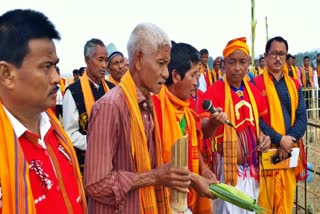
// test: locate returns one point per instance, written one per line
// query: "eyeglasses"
(275, 54)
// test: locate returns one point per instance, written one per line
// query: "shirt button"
(145, 105)
(46, 153)
(58, 188)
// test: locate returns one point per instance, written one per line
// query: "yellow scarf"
(303, 73)
(286, 70)
(281, 181)
(87, 92)
(153, 199)
(230, 140)
(260, 71)
(63, 85)
(173, 110)
(202, 71)
(214, 73)
(14, 169)
(276, 114)
(110, 79)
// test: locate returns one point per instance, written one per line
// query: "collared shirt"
(47, 191)
(298, 129)
(109, 167)
(20, 129)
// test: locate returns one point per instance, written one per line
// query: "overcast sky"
(203, 23)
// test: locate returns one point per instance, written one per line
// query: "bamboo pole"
(253, 34)
(179, 158)
(267, 30)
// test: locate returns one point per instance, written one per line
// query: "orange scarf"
(214, 73)
(202, 71)
(303, 73)
(318, 71)
(236, 44)
(276, 114)
(286, 69)
(260, 71)
(230, 140)
(63, 85)
(153, 199)
(87, 91)
(173, 110)
(14, 169)
(110, 79)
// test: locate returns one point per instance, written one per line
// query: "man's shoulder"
(114, 97)
(216, 85)
(110, 84)
(74, 86)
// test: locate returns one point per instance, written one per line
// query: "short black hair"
(278, 39)
(17, 28)
(75, 71)
(182, 57)
(261, 58)
(203, 51)
(306, 57)
(289, 56)
(81, 70)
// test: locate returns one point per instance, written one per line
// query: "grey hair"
(146, 37)
(89, 47)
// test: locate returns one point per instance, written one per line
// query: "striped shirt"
(109, 167)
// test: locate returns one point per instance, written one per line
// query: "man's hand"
(264, 142)
(286, 143)
(282, 154)
(176, 178)
(217, 118)
(201, 185)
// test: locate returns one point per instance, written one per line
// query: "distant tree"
(312, 55)
(210, 62)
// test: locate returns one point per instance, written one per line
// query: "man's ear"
(138, 60)
(175, 76)
(7, 74)
(86, 59)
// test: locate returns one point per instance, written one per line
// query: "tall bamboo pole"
(267, 31)
(253, 33)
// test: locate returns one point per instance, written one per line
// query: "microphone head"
(206, 105)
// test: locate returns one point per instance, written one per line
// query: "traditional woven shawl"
(14, 169)
(230, 140)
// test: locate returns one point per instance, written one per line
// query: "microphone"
(208, 107)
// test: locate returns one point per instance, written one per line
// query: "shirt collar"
(94, 84)
(273, 78)
(20, 129)
(142, 100)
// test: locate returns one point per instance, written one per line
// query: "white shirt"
(20, 129)
(202, 85)
(59, 97)
(70, 121)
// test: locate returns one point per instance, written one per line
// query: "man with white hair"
(124, 163)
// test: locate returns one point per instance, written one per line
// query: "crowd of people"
(104, 145)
